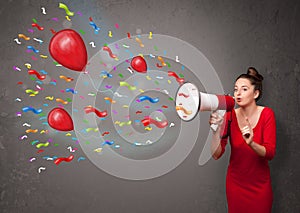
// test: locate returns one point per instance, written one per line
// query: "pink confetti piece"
(54, 19)
(117, 26)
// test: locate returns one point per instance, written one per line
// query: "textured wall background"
(232, 34)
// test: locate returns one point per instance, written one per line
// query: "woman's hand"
(247, 132)
(216, 119)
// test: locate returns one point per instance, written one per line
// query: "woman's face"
(244, 93)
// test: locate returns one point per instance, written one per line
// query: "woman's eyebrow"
(241, 86)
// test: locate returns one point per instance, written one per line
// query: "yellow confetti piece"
(150, 35)
(68, 134)
(142, 91)
(98, 150)
(44, 131)
(28, 65)
(49, 98)
(43, 56)
(169, 81)
(125, 106)
(68, 18)
(148, 128)
(90, 129)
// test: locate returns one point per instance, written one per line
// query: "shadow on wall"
(281, 171)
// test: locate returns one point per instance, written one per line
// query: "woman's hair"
(255, 78)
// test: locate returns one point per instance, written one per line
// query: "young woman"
(252, 132)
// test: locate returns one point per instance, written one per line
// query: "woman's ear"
(256, 94)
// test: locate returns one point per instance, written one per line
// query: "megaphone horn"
(189, 101)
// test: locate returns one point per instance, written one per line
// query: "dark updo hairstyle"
(255, 78)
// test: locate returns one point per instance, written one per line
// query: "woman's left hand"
(247, 132)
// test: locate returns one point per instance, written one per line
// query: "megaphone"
(189, 101)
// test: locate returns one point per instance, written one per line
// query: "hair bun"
(254, 73)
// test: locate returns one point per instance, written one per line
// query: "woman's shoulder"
(265, 109)
(267, 112)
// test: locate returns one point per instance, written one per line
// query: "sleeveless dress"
(248, 181)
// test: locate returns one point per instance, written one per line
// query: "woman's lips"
(238, 99)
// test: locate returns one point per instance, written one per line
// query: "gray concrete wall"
(231, 34)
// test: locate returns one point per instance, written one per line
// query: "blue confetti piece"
(53, 83)
(35, 111)
(46, 105)
(39, 82)
(108, 143)
(152, 100)
(42, 118)
(71, 90)
(81, 158)
(43, 72)
(33, 49)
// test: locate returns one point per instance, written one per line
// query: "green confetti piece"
(82, 32)
(171, 99)
(155, 48)
(87, 142)
(181, 75)
(56, 144)
(32, 78)
(156, 82)
(105, 45)
(42, 114)
(121, 76)
(55, 63)
(69, 100)
(85, 121)
(34, 20)
(169, 65)
(34, 142)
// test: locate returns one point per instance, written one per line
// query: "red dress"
(248, 182)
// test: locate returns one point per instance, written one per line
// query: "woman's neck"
(249, 110)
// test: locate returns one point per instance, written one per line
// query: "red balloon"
(68, 49)
(60, 119)
(139, 64)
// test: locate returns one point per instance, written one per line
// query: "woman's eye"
(245, 89)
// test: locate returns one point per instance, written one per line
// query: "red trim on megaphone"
(226, 102)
